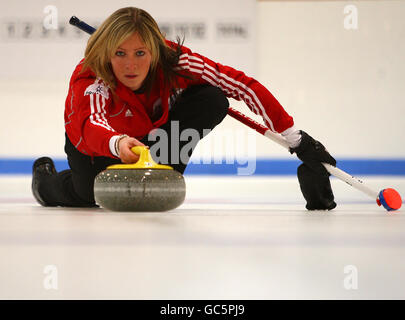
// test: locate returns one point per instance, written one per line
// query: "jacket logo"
(128, 113)
(97, 88)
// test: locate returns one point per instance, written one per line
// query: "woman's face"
(131, 62)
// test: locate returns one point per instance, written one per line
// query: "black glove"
(316, 189)
(312, 175)
(312, 153)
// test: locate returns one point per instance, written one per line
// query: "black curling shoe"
(42, 167)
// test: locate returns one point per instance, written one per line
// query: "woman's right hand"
(124, 149)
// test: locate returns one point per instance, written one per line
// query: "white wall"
(36, 69)
(342, 86)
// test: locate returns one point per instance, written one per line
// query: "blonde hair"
(116, 29)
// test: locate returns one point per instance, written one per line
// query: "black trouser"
(198, 107)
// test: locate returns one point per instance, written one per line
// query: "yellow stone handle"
(144, 155)
(145, 161)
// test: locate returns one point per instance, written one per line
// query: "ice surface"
(233, 238)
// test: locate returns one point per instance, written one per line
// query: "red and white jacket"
(93, 115)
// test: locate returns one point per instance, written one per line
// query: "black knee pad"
(316, 189)
(211, 100)
(218, 103)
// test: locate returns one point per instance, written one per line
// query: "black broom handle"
(75, 21)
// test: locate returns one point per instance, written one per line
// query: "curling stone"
(142, 186)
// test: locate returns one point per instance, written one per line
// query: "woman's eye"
(140, 53)
(120, 53)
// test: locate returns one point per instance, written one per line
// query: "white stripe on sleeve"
(97, 117)
(227, 84)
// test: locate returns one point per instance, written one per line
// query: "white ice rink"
(233, 238)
